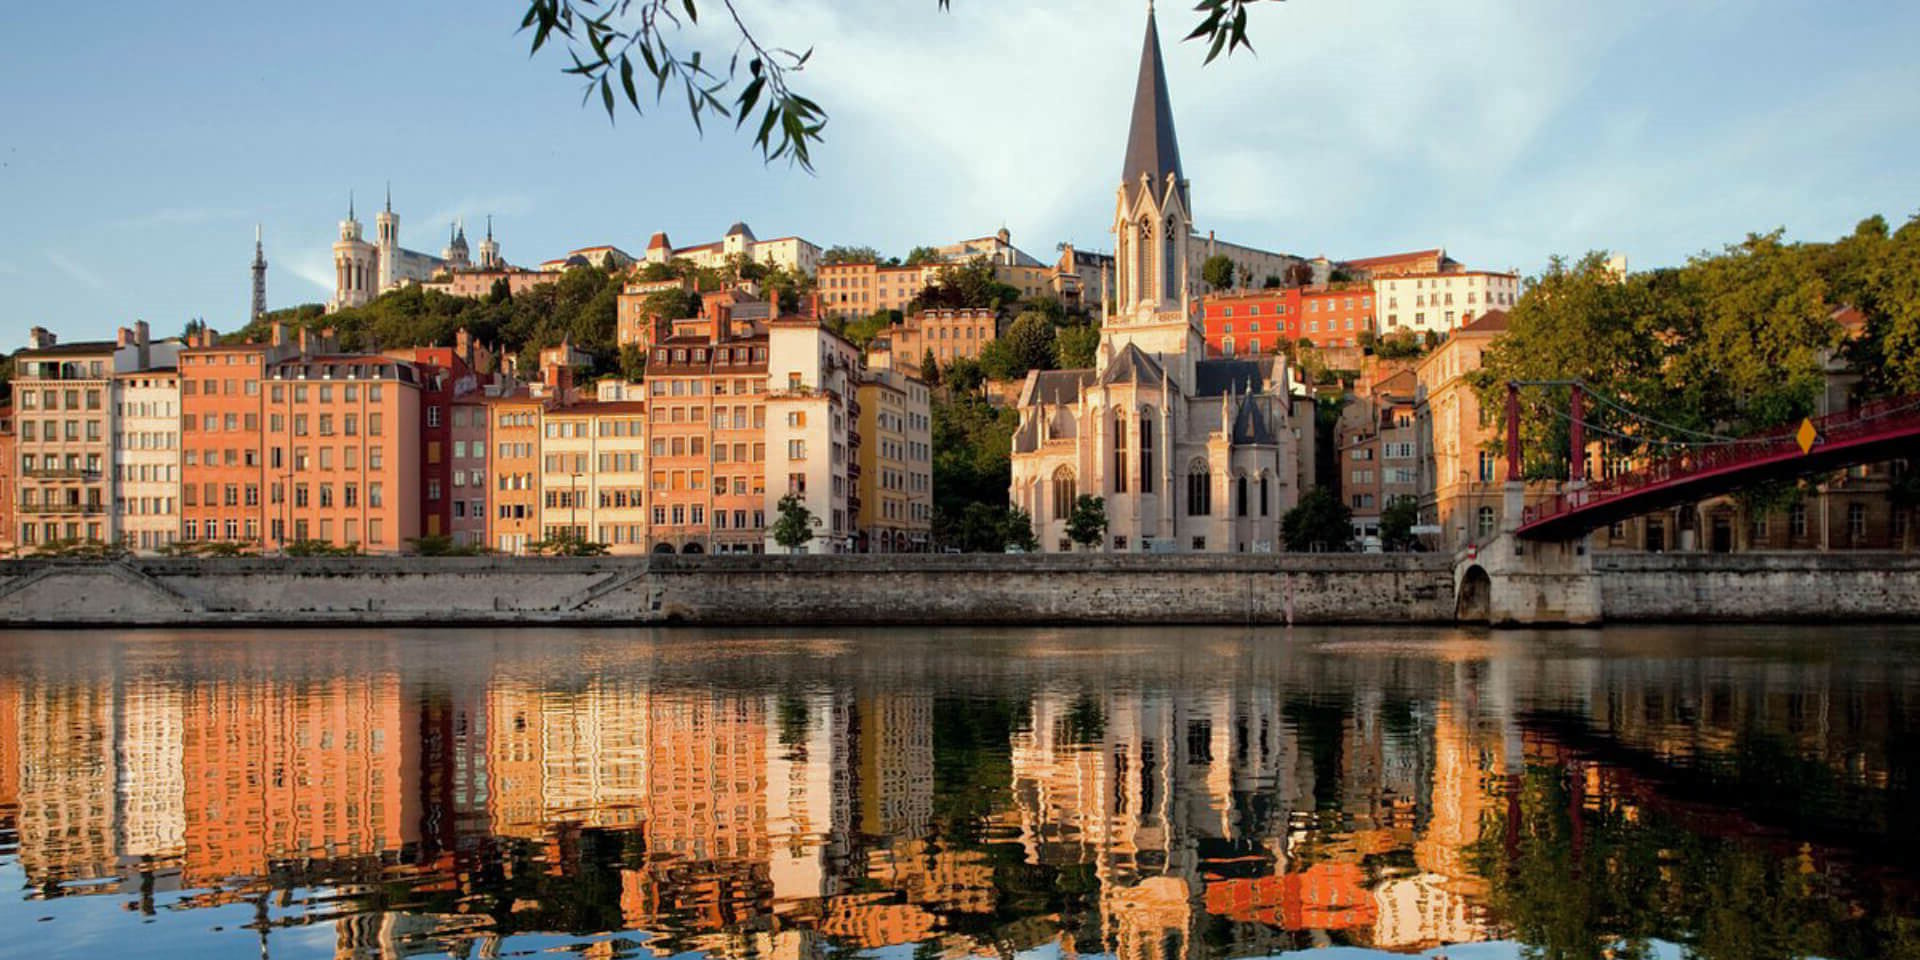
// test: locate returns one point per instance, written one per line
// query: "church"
(1190, 454)
(363, 271)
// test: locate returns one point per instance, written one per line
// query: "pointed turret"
(1152, 148)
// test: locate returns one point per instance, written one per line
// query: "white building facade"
(1441, 302)
(812, 377)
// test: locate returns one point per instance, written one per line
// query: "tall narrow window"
(1143, 271)
(1170, 268)
(1146, 450)
(1240, 495)
(1199, 490)
(1263, 493)
(1119, 451)
(1063, 493)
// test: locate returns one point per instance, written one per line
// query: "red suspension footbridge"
(1703, 464)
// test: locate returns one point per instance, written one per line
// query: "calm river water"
(917, 794)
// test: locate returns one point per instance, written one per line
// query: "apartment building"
(849, 291)
(948, 333)
(64, 440)
(1250, 323)
(468, 483)
(1377, 444)
(343, 435)
(1442, 302)
(444, 377)
(896, 463)
(227, 486)
(812, 431)
(707, 442)
(1337, 315)
(146, 457)
(593, 474)
(513, 437)
(9, 456)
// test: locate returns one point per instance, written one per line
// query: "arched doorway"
(663, 548)
(1474, 603)
(693, 548)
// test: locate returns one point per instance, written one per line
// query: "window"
(1797, 519)
(1199, 490)
(1146, 450)
(1119, 478)
(1064, 493)
(1483, 522)
(1240, 495)
(1487, 460)
(1856, 520)
(1263, 493)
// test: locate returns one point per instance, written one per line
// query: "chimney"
(40, 338)
(463, 345)
(142, 341)
(123, 337)
(303, 342)
(559, 379)
(279, 334)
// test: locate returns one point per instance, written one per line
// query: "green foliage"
(1731, 343)
(581, 305)
(1075, 346)
(1272, 282)
(1017, 531)
(567, 543)
(319, 548)
(964, 375)
(862, 332)
(674, 303)
(1402, 344)
(840, 254)
(1028, 344)
(1217, 271)
(981, 528)
(1319, 523)
(80, 549)
(1396, 523)
(1087, 522)
(1880, 275)
(210, 548)
(972, 462)
(795, 525)
(930, 369)
(922, 255)
(633, 362)
(967, 285)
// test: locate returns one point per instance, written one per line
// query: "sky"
(140, 144)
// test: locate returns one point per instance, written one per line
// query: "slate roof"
(1151, 146)
(1215, 377)
(1060, 386)
(1251, 426)
(1133, 366)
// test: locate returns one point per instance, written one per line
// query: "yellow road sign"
(1807, 435)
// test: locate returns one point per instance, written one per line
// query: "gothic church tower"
(387, 235)
(1152, 226)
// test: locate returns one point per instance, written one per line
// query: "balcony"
(61, 473)
(62, 509)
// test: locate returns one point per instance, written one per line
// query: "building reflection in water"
(1211, 795)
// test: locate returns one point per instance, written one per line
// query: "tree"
(500, 292)
(844, 254)
(1396, 523)
(982, 528)
(567, 543)
(862, 332)
(1271, 283)
(673, 303)
(930, 369)
(1217, 271)
(1018, 531)
(1320, 523)
(1027, 345)
(966, 285)
(795, 526)
(921, 255)
(1087, 522)
(964, 375)
(1075, 346)
(606, 41)
(633, 362)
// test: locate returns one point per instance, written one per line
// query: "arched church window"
(1143, 275)
(1146, 450)
(1119, 451)
(1170, 267)
(1240, 495)
(1063, 493)
(1263, 493)
(1199, 490)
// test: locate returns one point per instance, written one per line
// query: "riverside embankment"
(931, 589)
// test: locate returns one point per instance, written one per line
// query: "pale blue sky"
(141, 142)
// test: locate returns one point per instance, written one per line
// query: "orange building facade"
(707, 441)
(344, 432)
(513, 437)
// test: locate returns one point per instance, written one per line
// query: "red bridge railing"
(1868, 421)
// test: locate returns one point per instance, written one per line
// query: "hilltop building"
(791, 253)
(1188, 453)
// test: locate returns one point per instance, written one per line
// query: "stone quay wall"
(714, 590)
(1757, 587)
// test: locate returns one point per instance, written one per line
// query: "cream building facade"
(896, 462)
(792, 253)
(812, 425)
(146, 457)
(1441, 302)
(1189, 454)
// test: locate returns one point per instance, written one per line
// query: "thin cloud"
(180, 216)
(311, 264)
(76, 270)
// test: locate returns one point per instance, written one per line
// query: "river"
(914, 794)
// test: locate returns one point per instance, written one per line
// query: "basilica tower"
(489, 249)
(1152, 226)
(386, 225)
(355, 265)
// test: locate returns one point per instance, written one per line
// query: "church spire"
(1152, 148)
(389, 196)
(349, 203)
